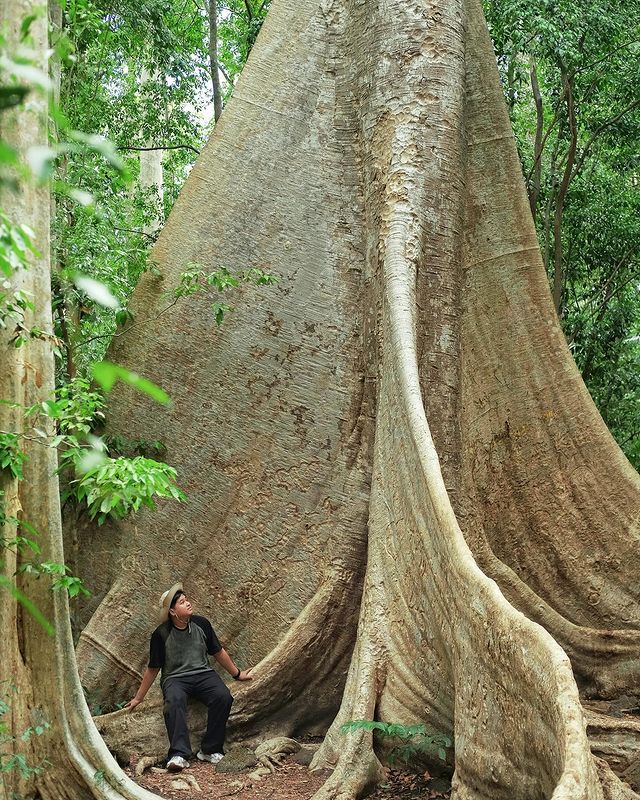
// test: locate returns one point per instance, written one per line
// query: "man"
(180, 647)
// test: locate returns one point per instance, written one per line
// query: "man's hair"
(175, 598)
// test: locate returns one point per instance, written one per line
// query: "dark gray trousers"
(210, 690)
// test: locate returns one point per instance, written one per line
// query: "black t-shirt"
(183, 652)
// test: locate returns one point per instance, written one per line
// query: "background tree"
(49, 743)
(570, 73)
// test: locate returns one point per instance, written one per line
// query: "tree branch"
(605, 57)
(133, 230)
(126, 330)
(599, 131)
(225, 75)
(552, 124)
(558, 266)
(164, 147)
(534, 194)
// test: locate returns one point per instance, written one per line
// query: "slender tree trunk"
(558, 260)
(151, 179)
(212, 8)
(534, 189)
(37, 670)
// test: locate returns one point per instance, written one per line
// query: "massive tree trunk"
(396, 431)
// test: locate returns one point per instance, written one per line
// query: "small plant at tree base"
(415, 739)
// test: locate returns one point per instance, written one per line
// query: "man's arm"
(148, 677)
(226, 662)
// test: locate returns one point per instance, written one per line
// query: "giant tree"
(403, 501)
(403, 422)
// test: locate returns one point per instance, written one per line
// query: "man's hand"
(245, 675)
(148, 678)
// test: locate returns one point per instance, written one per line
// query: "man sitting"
(180, 647)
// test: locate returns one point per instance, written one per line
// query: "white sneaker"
(177, 764)
(212, 758)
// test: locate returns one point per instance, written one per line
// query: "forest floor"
(290, 782)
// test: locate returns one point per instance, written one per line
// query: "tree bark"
(398, 501)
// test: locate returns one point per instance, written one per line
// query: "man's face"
(182, 608)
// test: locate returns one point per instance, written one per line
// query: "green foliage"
(11, 456)
(16, 247)
(16, 761)
(108, 486)
(121, 486)
(106, 374)
(137, 77)
(582, 175)
(196, 279)
(415, 739)
(62, 579)
(77, 408)
(16, 243)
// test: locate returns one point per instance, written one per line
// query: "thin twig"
(126, 330)
(164, 147)
(132, 230)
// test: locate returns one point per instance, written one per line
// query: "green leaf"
(26, 25)
(106, 374)
(8, 154)
(24, 601)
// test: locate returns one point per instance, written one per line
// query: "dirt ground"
(290, 782)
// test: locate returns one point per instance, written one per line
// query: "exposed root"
(144, 763)
(358, 771)
(272, 753)
(612, 787)
(614, 739)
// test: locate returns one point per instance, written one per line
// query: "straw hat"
(165, 601)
